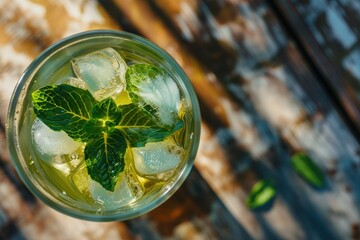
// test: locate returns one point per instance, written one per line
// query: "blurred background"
(279, 86)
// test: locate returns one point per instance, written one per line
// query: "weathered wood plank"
(231, 172)
(283, 110)
(237, 121)
(201, 78)
(194, 212)
(200, 218)
(330, 33)
(259, 110)
(292, 106)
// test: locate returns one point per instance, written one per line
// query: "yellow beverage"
(118, 155)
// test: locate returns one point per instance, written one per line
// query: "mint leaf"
(107, 112)
(139, 127)
(104, 158)
(64, 107)
(105, 115)
(308, 170)
(261, 194)
(154, 91)
(95, 127)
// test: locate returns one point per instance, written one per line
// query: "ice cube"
(102, 69)
(157, 160)
(59, 162)
(163, 94)
(50, 142)
(55, 147)
(127, 190)
(114, 89)
(75, 158)
(81, 179)
(76, 82)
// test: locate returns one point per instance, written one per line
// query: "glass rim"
(12, 131)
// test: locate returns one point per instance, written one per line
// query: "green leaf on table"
(64, 107)
(139, 127)
(104, 158)
(262, 193)
(308, 170)
(151, 89)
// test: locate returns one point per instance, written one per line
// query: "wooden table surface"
(274, 78)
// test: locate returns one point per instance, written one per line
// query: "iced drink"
(106, 126)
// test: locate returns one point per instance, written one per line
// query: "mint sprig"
(107, 129)
(105, 115)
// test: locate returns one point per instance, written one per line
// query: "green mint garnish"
(66, 108)
(308, 170)
(261, 194)
(105, 158)
(139, 127)
(108, 130)
(105, 115)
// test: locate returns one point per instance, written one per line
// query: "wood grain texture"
(261, 103)
(285, 109)
(329, 31)
(26, 217)
(194, 212)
